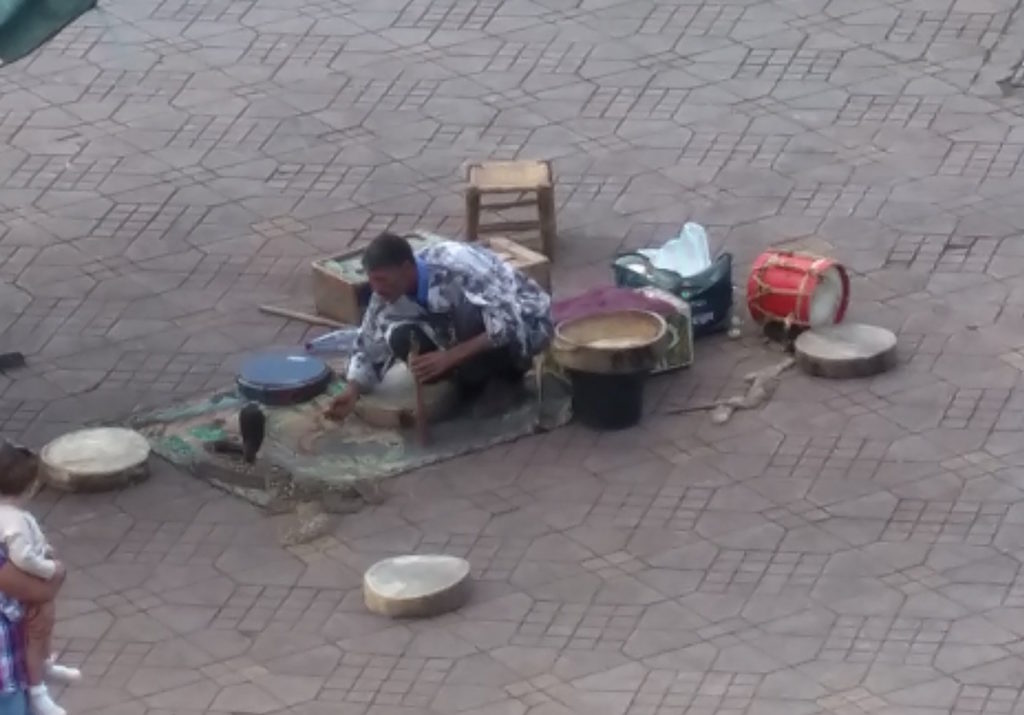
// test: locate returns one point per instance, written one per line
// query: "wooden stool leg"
(548, 224)
(472, 215)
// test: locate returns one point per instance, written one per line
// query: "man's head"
(19, 468)
(390, 266)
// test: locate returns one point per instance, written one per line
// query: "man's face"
(393, 282)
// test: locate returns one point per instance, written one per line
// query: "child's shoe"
(41, 703)
(63, 674)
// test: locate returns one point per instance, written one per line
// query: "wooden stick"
(299, 315)
(421, 411)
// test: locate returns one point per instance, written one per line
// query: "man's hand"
(342, 405)
(430, 366)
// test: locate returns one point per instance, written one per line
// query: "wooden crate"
(341, 291)
(530, 262)
(337, 298)
(340, 288)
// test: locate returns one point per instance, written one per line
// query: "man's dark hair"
(19, 468)
(387, 251)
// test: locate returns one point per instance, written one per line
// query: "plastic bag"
(685, 255)
(336, 341)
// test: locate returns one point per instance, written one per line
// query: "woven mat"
(301, 441)
(27, 24)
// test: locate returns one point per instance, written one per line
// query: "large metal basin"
(612, 343)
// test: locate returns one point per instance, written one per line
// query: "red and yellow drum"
(798, 289)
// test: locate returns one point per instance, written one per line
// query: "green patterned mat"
(27, 24)
(317, 451)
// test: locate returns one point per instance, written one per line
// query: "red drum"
(798, 289)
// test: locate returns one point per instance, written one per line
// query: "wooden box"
(535, 265)
(340, 288)
(341, 291)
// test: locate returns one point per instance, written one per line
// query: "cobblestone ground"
(853, 547)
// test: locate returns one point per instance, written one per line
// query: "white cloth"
(24, 542)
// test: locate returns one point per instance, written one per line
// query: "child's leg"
(52, 671)
(42, 620)
(38, 630)
(39, 622)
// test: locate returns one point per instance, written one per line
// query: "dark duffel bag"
(709, 293)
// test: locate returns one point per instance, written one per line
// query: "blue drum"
(283, 377)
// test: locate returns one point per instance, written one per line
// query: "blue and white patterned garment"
(12, 644)
(11, 608)
(455, 276)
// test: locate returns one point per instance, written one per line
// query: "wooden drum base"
(416, 586)
(98, 459)
(393, 404)
(846, 350)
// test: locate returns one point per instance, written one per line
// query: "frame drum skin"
(96, 459)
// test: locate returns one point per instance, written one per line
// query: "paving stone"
(851, 547)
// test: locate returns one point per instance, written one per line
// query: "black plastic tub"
(607, 402)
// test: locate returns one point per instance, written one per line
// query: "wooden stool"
(512, 177)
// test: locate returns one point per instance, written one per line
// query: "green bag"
(709, 293)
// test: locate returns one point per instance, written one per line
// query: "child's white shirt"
(24, 541)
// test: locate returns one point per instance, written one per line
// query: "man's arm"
(493, 290)
(432, 365)
(371, 350)
(487, 283)
(467, 349)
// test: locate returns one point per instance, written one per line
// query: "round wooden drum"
(95, 459)
(416, 585)
(846, 351)
(392, 404)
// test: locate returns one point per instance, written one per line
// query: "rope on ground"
(761, 385)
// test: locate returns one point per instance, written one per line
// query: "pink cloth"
(607, 299)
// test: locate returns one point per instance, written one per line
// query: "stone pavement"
(853, 547)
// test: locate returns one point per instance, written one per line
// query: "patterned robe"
(460, 277)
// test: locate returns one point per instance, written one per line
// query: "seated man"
(473, 316)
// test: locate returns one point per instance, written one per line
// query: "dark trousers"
(473, 375)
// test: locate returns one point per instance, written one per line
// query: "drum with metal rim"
(281, 378)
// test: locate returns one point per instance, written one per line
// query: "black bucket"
(607, 402)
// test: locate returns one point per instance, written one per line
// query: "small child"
(28, 550)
